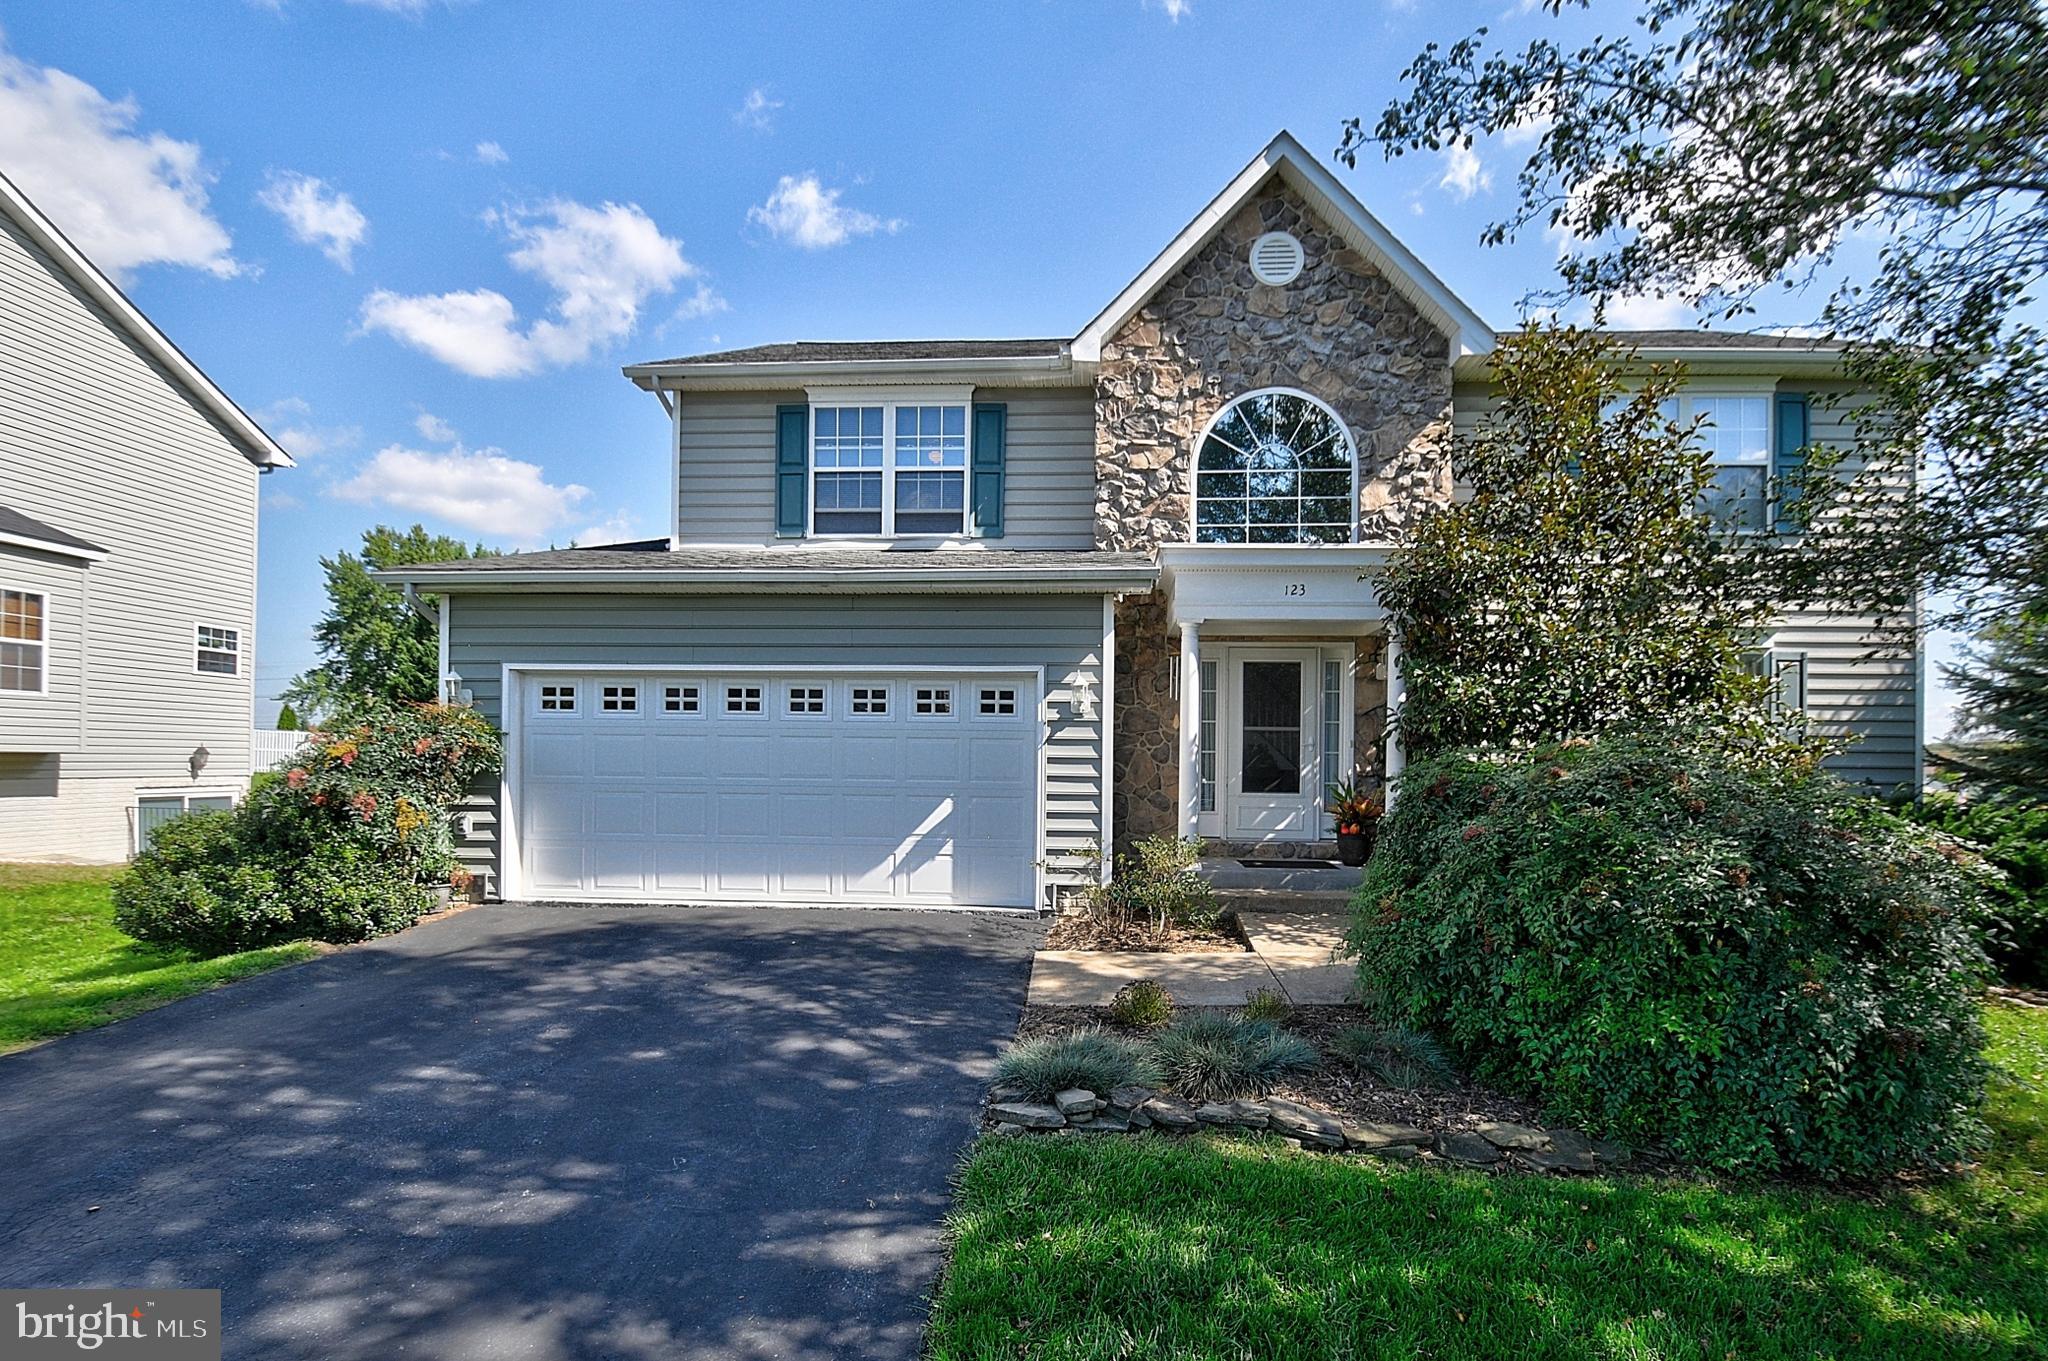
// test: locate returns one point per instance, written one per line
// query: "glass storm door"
(1273, 789)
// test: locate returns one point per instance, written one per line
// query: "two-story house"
(934, 617)
(127, 562)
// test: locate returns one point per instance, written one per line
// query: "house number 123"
(1295, 588)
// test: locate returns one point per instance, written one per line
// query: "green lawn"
(1217, 1248)
(64, 966)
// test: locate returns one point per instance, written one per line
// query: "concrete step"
(1230, 876)
(1242, 900)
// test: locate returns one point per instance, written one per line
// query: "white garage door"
(778, 788)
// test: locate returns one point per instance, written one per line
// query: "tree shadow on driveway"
(533, 1131)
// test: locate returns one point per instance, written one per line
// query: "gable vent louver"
(1277, 258)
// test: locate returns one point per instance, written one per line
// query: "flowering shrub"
(343, 847)
(1660, 939)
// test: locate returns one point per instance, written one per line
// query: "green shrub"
(344, 845)
(2013, 836)
(1144, 1004)
(1394, 1056)
(1267, 1004)
(193, 889)
(345, 892)
(1210, 1056)
(1156, 886)
(1660, 939)
(1048, 1064)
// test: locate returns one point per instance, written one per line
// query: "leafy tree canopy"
(1715, 148)
(373, 648)
(1579, 587)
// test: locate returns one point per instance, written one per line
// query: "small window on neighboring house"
(152, 812)
(998, 700)
(220, 650)
(870, 699)
(807, 699)
(679, 699)
(1786, 672)
(743, 699)
(22, 638)
(933, 700)
(619, 699)
(558, 699)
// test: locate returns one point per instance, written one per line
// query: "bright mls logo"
(163, 1325)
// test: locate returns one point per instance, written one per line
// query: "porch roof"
(1322, 589)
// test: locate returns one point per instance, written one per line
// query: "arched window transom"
(1275, 467)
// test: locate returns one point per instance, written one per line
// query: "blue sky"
(417, 238)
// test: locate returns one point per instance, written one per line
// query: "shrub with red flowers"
(1663, 937)
(349, 844)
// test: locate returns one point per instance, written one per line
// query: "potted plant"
(1356, 814)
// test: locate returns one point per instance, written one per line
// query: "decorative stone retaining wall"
(1495, 1145)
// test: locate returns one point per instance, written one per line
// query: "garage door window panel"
(870, 701)
(619, 699)
(681, 699)
(743, 700)
(557, 699)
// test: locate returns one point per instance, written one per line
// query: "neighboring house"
(872, 660)
(127, 562)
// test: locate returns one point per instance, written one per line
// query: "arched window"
(1275, 467)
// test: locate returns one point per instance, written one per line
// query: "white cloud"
(274, 499)
(317, 214)
(1644, 313)
(602, 265)
(618, 527)
(757, 110)
(290, 422)
(805, 213)
(126, 198)
(411, 9)
(490, 153)
(1464, 173)
(1176, 10)
(702, 303)
(432, 427)
(484, 490)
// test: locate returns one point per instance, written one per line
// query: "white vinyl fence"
(267, 748)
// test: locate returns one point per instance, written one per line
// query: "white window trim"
(1195, 460)
(888, 399)
(684, 697)
(240, 633)
(624, 709)
(42, 689)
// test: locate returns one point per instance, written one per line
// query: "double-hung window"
(889, 468)
(22, 639)
(217, 651)
(1736, 431)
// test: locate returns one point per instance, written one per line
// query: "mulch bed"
(1335, 1087)
(1079, 931)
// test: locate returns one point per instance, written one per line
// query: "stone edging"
(1496, 1145)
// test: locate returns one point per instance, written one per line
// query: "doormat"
(1290, 864)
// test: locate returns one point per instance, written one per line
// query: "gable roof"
(29, 532)
(258, 447)
(857, 351)
(1286, 159)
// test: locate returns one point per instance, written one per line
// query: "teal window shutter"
(991, 432)
(792, 470)
(1791, 434)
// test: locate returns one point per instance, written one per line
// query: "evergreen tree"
(2004, 710)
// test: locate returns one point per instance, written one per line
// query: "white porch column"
(1190, 726)
(1397, 691)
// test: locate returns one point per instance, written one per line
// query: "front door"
(1271, 712)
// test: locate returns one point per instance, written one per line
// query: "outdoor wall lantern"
(198, 759)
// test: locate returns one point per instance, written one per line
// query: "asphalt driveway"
(533, 1131)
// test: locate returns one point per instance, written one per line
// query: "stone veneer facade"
(1212, 333)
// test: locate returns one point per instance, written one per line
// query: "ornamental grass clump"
(1267, 1004)
(1094, 1060)
(1394, 1056)
(1660, 936)
(1212, 1056)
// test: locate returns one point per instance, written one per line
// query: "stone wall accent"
(1209, 335)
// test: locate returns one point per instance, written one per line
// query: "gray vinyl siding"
(1862, 684)
(1060, 633)
(97, 440)
(725, 484)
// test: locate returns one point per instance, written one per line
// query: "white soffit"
(1335, 205)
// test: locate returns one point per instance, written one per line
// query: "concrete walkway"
(1290, 954)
